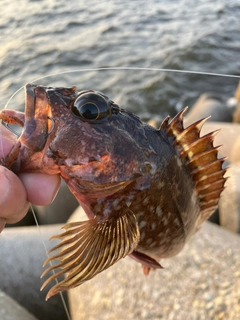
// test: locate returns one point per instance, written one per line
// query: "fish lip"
(37, 113)
(29, 86)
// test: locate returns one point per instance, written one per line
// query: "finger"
(13, 197)
(41, 188)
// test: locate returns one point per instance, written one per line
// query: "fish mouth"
(36, 120)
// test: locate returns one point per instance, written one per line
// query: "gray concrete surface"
(228, 137)
(11, 310)
(201, 283)
(60, 210)
(22, 255)
(229, 204)
(210, 104)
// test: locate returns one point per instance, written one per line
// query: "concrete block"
(60, 209)
(202, 282)
(229, 204)
(11, 310)
(22, 255)
(228, 137)
(210, 104)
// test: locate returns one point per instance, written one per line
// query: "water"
(43, 37)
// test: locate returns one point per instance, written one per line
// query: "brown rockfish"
(145, 190)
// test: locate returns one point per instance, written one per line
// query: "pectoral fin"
(89, 247)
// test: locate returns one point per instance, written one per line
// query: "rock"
(228, 136)
(22, 255)
(60, 209)
(202, 282)
(235, 151)
(10, 310)
(209, 104)
(229, 204)
(236, 114)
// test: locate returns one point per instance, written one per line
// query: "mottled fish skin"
(155, 186)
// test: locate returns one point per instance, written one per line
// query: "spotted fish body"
(144, 190)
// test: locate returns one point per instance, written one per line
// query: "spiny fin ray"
(89, 247)
(200, 157)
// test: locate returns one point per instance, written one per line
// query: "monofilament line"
(129, 68)
(46, 251)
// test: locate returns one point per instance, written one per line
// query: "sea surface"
(40, 38)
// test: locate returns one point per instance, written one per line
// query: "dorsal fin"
(201, 157)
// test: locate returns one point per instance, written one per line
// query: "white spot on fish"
(179, 162)
(107, 211)
(165, 221)
(194, 197)
(142, 235)
(167, 231)
(160, 235)
(161, 185)
(152, 209)
(142, 224)
(146, 200)
(153, 244)
(154, 168)
(128, 202)
(176, 222)
(116, 202)
(149, 240)
(159, 211)
(153, 226)
(162, 241)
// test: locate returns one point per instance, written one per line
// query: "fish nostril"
(52, 125)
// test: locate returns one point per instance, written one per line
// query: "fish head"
(84, 136)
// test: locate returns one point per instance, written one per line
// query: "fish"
(145, 190)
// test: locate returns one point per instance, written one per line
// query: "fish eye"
(91, 106)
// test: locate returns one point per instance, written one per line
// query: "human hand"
(17, 191)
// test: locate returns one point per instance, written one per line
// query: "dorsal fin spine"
(200, 156)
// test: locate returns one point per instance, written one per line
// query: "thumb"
(13, 198)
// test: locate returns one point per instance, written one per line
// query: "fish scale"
(145, 191)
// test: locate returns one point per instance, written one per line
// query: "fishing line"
(38, 227)
(141, 69)
(103, 69)
(128, 68)
(31, 207)
(46, 251)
